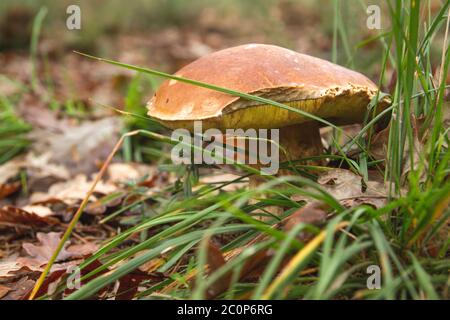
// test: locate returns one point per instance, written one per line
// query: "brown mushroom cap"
(310, 84)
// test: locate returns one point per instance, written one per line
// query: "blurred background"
(41, 75)
(167, 34)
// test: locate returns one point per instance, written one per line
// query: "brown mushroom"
(319, 87)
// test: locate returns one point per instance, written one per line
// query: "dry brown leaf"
(346, 186)
(129, 283)
(37, 168)
(215, 261)
(379, 144)
(84, 249)
(63, 153)
(312, 213)
(73, 190)
(41, 211)
(122, 172)
(11, 267)
(41, 253)
(15, 217)
(78, 148)
(20, 289)
(10, 169)
(4, 290)
(8, 189)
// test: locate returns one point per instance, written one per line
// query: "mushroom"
(319, 87)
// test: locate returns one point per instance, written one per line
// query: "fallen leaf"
(81, 250)
(129, 283)
(4, 290)
(57, 207)
(48, 242)
(56, 276)
(49, 284)
(10, 169)
(124, 172)
(349, 188)
(314, 213)
(39, 254)
(63, 153)
(73, 190)
(41, 211)
(8, 189)
(20, 289)
(39, 165)
(215, 261)
(10, 267)
(78, 148)
(15, 217)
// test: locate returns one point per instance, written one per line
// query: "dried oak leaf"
(216, 260)
(20, 289)
(78, 148)
(73, 190)
(312, 213)
(10, 267)
(129, 283)
(48, 242)
(350, 189)
(4, 290)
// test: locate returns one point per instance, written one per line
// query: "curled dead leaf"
(15, 217)
(73, 190)
(312, 213)
(19, 289)
(4, 290)
(350, 189)
(39, 254)
(8, 188)
(215, 261)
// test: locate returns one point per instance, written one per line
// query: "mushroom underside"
(344, 107)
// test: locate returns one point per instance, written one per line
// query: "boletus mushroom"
(321, 88)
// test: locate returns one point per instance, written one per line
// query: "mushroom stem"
(299, 141)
